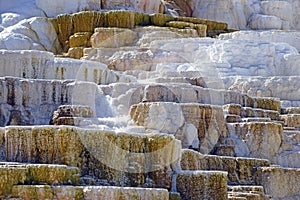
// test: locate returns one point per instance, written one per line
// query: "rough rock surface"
(18, 173)
(241, 171)
(87, 192)
(288, 178)
(124, 158)
(205, 122)
(202, 184)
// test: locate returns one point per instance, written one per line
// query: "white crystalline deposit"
(285, 88)
(230, 57)
(290, 37)
(30, 34)
(34, 64)
(253, 14)
(10, 12)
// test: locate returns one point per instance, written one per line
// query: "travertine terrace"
(154, 100)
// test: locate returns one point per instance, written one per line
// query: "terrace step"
(291, 120)
(233, 118)
(257, 119)
(28, 192)
(241, 171)
(195, 185)
(279, 182)
(259, 112)
(21, 173)
(247, 192)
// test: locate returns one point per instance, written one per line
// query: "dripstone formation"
(160, 100)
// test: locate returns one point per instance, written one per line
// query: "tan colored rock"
(213, 27)
(291, 120)
(78, 22)
(112, 37)
(9, 177)
(2, 143)
(160, 19)
(76, 52)
(260, 113)
(80, 39)
(174, 196)
(233, 109)
(201, 29)
(120, 19)
(18, 173)
(280, 183)
(33, 192)
(72, 111)
(87, 21)
(262, 138)
(114, 154)
(52, 174)
(290, 110)
(65, 29)
(246, 167)
(268, 103)
(196, 185)
(87, 192)
(247, 192)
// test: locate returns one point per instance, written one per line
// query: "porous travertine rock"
(87, 192)
(233, 109)
(9, 177)
(80, 39)
(18, 173)
(201, 28)
(112, 37)
(2, 144)
(121, 158)
(260, 113)
(247, 192)
(291, 120)
(262, 138)
(241, 171)
(66, 113)
(213, 28)
(202, 185)
(208, 121)
(290, 110)
(280, 183)
(76, 52)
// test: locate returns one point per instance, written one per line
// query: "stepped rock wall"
(121, 159)
(27, 102)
